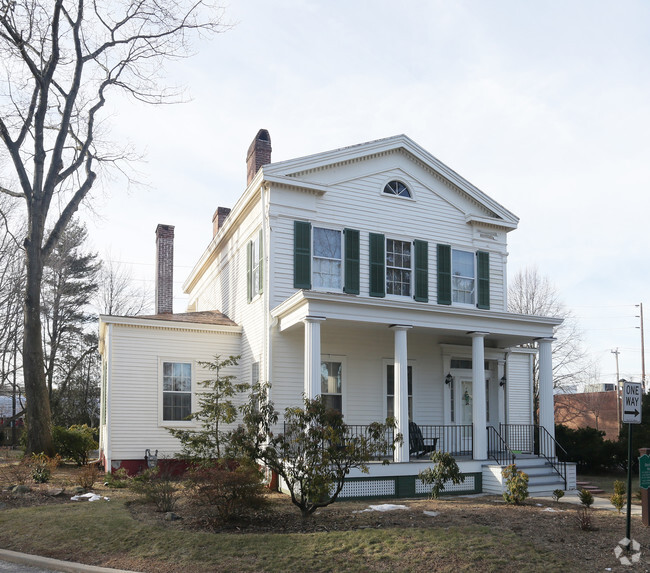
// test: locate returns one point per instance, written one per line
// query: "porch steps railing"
(498, 448)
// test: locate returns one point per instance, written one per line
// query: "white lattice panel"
(368, 488)
(467, 485)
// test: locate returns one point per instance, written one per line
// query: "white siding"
(136, 382)
(519, 388)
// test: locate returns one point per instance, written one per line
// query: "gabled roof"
(289, 172)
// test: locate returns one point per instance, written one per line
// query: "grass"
(110, 534)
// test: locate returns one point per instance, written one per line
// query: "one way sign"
(631, 402)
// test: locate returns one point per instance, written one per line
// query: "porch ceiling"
(452, 323)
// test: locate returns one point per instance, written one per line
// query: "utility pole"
(618, 405)
(640, 305)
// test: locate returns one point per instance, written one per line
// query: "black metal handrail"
(498, 448)
(547, 444)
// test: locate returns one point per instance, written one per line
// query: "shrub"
(618, 498)
(588, 448)
(558, 494)
(87, 476)
(586, 497)
(227, 492)
(16, 474)
(158, 486)
(516, 484)
(74, 443)
(445, 469)
(42, 467)
(117, 479)
(585, 518)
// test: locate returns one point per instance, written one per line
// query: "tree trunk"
(37, 407)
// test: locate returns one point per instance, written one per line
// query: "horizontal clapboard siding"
(519, 388)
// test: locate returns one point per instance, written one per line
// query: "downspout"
(268, 324)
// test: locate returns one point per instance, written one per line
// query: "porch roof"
(504, 329)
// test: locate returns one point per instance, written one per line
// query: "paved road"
(16, 568)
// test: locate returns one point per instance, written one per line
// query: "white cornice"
(136, 322)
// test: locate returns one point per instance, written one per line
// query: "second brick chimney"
(164, 269)
(259, 153)
(219, 218)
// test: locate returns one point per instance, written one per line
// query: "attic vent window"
(397, 188)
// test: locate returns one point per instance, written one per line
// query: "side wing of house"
(150, 382)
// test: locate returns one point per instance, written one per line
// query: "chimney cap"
(262, 136)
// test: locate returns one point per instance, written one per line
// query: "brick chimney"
(259, 153)
(219, 218)
(164, 269)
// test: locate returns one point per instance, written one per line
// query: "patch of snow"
(550, 509)
(382, 507)
(88, 496)
(431, 513)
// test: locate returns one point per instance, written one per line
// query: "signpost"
(632, 395)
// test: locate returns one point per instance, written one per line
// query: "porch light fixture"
(502, 382)
(449, 378)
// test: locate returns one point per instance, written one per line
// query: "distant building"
(593, 409)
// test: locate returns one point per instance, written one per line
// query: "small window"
(331, 384)
(397, 188)
(327, 268)
(177, 390)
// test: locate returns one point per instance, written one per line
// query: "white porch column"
(401, 391)
(312, 355)
(479, 414)
(503, 385)
(546, 412)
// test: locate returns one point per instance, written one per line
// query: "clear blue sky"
(542, 105)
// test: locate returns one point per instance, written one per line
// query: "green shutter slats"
(249, 271)
(421, 290)
(483, 276)
(444, 274)
(301, 254)
(351, 266)
(377, 265)
(261, 262)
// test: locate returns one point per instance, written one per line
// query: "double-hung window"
(398, 267)
(327, 263)
(462, 277)
(255, 264)
(390, 390)
(177, 390)
(331, 384)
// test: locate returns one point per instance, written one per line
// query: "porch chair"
(417, 445)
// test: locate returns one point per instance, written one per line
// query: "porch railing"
(498, 448)
(548, 447)
(455, 440)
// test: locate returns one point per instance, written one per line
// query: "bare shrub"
(87, 476)
(158, 486)
(16, 474)
(585, 518)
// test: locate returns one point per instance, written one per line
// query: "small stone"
(54, 491)
(21, 489)
(78, 490)
(171, 516)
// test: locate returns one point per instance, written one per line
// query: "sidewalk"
(54, 564)
(599, 502)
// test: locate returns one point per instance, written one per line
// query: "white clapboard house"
(372, 275)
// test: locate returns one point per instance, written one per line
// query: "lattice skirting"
(404, 486)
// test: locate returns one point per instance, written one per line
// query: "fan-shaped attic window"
(397, 188)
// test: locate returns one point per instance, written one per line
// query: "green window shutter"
(249, 271)
(444, 274)
(377, 265)
(301, 254)
(351, 247)
(421, 291)
(483, 275)
(261, 262)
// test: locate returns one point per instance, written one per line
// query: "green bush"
(117, 479)
(74, 443)
(558, 494)
(618, 499)
(588, 448)
(586, 497)
(42, 467)
(516, 484)
(445, 469)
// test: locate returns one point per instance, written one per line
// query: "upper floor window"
(397, 188)
(177, 390)
(398, 267)
(462, 277)
(255, 263)
(327, 268)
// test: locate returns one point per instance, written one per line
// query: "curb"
(54, 564)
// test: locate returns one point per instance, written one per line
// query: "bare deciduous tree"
(118, 295)
(61, 60)
(530, 292)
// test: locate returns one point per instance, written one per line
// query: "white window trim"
(412, 258)
(255, 264)
(344, 381)
(464, 304)
(386, 362)
(194, 401)
(313, 256)
(401, 197)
